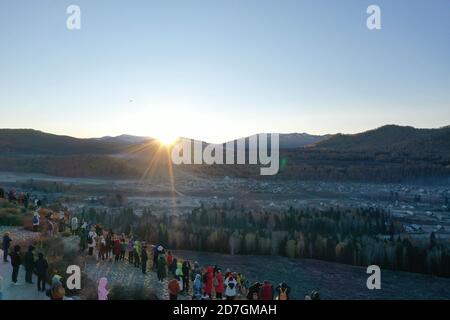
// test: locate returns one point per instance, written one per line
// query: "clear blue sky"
(220, 69)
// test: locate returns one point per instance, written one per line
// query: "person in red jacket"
(209, 280)
(266, 291)
(116, 248)
(174, 289)
(218, 285)
(169, 258)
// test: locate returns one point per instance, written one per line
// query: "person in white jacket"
(91, 241)
(230, 288)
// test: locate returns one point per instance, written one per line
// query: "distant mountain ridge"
(29, 141)
(393, 138)
(387, 154)
(34, 142)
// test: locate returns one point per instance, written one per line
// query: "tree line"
(355, 236)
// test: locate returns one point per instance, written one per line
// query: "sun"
(167, 139)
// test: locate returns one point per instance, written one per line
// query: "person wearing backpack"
(230, 288)
(266, 291)
(36, 221)
(283, 291)
(218, 284)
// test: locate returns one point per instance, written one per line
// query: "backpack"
(231, 285)
(283, 294)
(35, 220)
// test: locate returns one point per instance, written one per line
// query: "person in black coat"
(41, 267)
(5, 246)
(254, 291)
(16, 261)
(29, 265)
(144, 258)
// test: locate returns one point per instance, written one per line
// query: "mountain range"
(389, 153)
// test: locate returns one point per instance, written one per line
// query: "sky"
(221, 69)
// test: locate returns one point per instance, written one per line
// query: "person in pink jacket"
(103, 292)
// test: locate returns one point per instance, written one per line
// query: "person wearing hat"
(57, 291)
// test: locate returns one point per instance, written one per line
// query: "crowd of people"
(185, 278)
(31, 265)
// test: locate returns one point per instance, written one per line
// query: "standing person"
(29, 265)
(162, 267)
(174, 289)
(169, 259)
(155, 254)
(283, 291)
(186, 268)
(173, 266)
(102, 248)
(83, 237)
(16, 261)
(74, 225)
(117, 249)
(266, 291)
(50, 227)
(136, 252)
(130, 250)
(218, 285)
(91, 242)
(123, 249)
(196, 270)
(36, 221)
(230, 287)
(179, 274)
(197, 287)
(6, 244)
(244, 285)
(209, 280)
(26, 200)
(109, 244)
(41, 266)
(254, 291)
(102, 291)
(144, 258)
(57, 292)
